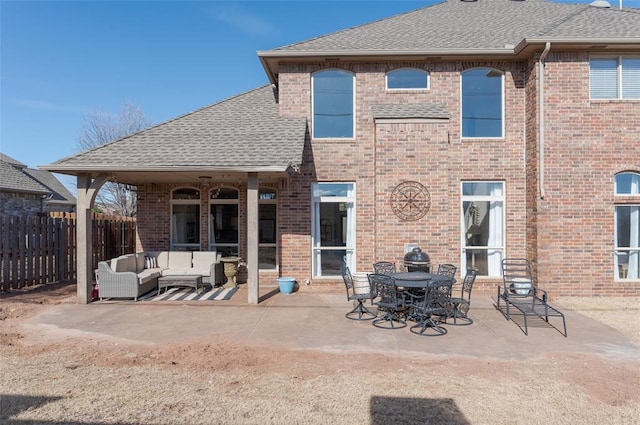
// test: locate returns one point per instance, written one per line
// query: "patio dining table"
(416, 285)
(419, 279)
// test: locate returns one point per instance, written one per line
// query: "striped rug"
(190, 294)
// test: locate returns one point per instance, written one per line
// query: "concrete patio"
(313, 320)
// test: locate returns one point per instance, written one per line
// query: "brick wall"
(587, 143)
(20, 203)
(568, 235)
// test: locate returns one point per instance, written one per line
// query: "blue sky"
(62, 60)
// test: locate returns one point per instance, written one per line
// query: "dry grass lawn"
(99, 381)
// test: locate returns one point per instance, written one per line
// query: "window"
(482, 103)
(333, 104)
(185, 220)
(614, 78)
(627, 224)
(223, 221)
(407, 79)
(483, 227)
(267, 229)
(333, 227)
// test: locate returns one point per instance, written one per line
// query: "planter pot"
(286, 284)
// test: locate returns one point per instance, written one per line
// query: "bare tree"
(99, 128)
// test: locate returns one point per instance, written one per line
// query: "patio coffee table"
(193, 281)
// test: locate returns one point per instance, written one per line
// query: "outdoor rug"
(190, 294)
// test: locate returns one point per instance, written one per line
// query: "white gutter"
(543, 56)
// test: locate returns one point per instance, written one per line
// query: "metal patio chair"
(360, 311)
(460, 305)
(431, 310)
(389, 301)
(384, 267)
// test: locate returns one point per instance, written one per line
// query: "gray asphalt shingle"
(483, 24)
(13, 177)
(245, 130)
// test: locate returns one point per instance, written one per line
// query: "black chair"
(431, 310)
(447, 270)
(460, 305)
(360, 311)
(388, 300)
(384, 267)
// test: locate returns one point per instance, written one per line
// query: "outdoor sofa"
(132, 275)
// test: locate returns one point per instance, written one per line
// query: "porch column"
(87, 191)
(252, 239)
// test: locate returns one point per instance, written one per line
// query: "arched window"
(627, 226)
(267, 229)
(185, 219)
(407, 79)
(223, 221)
(482, 103)
(333, 104)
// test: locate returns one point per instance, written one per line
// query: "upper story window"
(614, 78)
(407, 79)
(482, 103)
(333, 104)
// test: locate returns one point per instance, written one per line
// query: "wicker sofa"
(132, 275)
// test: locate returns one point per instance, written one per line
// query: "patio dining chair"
(460, 305)
(360, 311)
(447, 270)
(432, 311)
(389, 301)
(384, 267)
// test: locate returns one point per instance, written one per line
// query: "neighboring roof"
(17, 177)
(242, 133)
(410, 110)
(482, 27)
(13, 179)
(60, 194)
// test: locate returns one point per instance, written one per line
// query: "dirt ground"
(213, 381)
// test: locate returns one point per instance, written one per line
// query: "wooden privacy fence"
(42, 249)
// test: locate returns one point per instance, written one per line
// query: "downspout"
(543, 56)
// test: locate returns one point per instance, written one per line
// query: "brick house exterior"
(556, 160)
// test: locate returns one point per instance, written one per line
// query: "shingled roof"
(241, 133)
(455, 27)
(17, 177)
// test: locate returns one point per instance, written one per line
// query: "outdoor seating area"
(418, 299)
(133, 275)
(428, 302)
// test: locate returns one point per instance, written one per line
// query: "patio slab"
(315, 321)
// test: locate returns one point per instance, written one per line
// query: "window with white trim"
(482, 103)
(223, 221)
(333, 104)
(185, 219)
(482, 227)
(627, 225)
(333, 227)
(614, 77)
(407, 79)
(267, 229)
